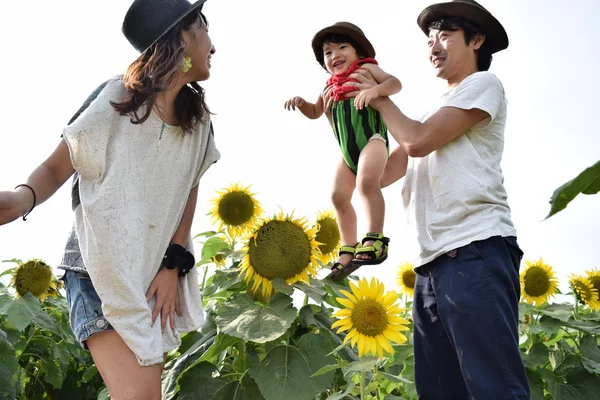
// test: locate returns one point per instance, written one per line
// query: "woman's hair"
(154, 71)
(484, 56)
(340, 38)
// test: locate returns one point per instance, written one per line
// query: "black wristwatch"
(177, 256)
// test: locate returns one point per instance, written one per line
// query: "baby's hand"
(363, 99)
(294, 102)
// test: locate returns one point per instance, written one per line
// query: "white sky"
(55, 53)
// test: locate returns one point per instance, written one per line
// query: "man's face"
(448, 53)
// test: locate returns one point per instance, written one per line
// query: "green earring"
(187, 64)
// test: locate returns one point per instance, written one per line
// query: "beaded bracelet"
(34, 199)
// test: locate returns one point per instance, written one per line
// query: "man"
(467, 291)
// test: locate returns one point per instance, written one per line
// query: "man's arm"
(421, 138)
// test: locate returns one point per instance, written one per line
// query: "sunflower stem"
(204, 277)
(363, 389)
(305, 300)
(576, 309)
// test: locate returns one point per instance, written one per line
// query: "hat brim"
(494, 31)
(358, 37)
(197, 6)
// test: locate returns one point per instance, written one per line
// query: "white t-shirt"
(455, 195)
(134, 182)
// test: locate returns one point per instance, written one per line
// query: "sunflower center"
(328, 234)
(583, 292)
(595, 281)
(408, 278)
(34, 277)
(369, 317)
(236, 208)
(280, 249)
(537, 282)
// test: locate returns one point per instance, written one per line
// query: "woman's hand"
(164, 287)
(14, 204)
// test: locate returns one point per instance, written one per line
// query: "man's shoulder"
(482, 78)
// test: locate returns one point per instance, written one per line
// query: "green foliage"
(252, 348)
(587, 182)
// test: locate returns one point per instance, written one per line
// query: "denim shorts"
(85, 307)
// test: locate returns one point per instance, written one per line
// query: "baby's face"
(338, 56)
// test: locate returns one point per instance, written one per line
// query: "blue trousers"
(465, 312)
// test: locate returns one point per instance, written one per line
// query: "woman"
(138, 151)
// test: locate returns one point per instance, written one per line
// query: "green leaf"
(342, 395)
(590, 354)
(316, 348)
(536, 385)
(315, 290)
(8, 369)
(548, 325)
(7, 271)
(103, 395)
(330, 367)
(285, 373)
(203, 382)
(22, 311)
(580, 385)
(242, 318)
(366, 363)
(207, 234)
(212, 246)
(538, 355)
(587, 182)
(222, 280)
(394, 378)
(280, 285)
(591, 327)
(560, 311)
(89, 373)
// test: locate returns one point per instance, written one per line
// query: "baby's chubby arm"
(310, 110)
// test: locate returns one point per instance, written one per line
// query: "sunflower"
(371, 318)
(406, 278)
(219, 260)
(35, 277)
(236, 209)
(328, 236)
(594, 276)
(280, 247)
(538, 283)
(585, 292)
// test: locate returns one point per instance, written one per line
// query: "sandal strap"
(376, 236)
(348, 250)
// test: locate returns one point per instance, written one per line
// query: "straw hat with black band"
(147, 21)
(471, 11)
(342, 28)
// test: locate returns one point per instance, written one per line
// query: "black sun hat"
(471, 11)
(342, 28)
(147, 21)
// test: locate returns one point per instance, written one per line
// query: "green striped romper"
(354, 128)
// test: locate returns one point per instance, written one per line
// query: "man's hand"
(294, 102)
(164, 287)
(327, 102)
(365, 83)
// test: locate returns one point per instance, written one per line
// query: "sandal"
(340, 271)
(378, 251)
